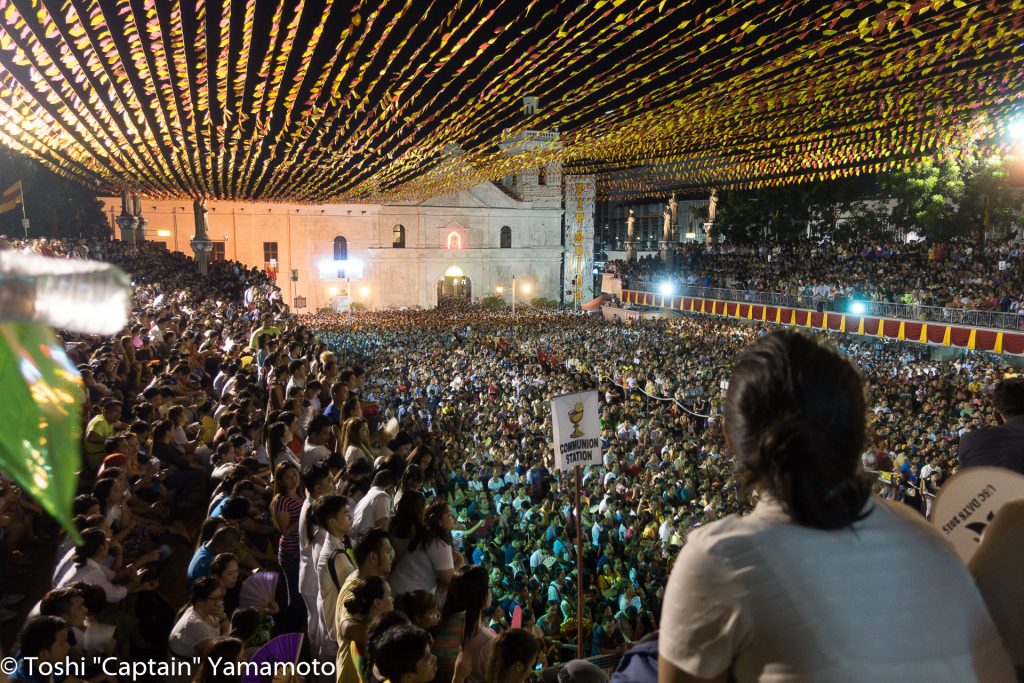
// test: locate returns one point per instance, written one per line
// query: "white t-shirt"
(190, 630)
(354, 453)
(418, 569)
(98, 575)
(327, 599)
(371, 508)
(312, 453)
(886, 601)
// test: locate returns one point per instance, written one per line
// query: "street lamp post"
(513, 296)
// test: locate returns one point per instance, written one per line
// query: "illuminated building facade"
(469, 244)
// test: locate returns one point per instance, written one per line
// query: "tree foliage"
(55, 206)
(926, 195)
(989, 201)
(771, 214)
(492, 302)
(963, 195)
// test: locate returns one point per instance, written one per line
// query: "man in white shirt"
(374, 509)
(315, 448)
(665, 531)
(611, 474)
(537, 557)
(496, 482)
(226, 373)
(333, 514)
(520, 499)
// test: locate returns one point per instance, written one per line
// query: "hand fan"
(285, 649)
(259, 590)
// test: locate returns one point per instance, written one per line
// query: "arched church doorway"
(454, 288)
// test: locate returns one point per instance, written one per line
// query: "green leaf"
(40, 418)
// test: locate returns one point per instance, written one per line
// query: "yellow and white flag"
(11, 197)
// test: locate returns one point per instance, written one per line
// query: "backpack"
(332, 568)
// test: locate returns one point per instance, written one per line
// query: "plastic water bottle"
(89, 297)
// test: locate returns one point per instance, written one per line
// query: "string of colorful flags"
(391, 100)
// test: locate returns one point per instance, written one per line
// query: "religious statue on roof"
(712, 206)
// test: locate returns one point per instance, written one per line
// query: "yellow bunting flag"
(11, 198)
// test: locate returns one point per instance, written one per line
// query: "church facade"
(470, 244)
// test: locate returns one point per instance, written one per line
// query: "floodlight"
(666, 289)
(858, 308)
(1016, 128)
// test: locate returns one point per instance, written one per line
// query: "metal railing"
(882, 309)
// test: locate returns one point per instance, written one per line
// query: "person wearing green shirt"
(99, 429)
(267, 328)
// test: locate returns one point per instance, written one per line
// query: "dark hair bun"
(795, 418)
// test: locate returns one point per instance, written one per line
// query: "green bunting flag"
(40, 418)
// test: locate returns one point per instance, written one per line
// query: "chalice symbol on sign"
(576, 416)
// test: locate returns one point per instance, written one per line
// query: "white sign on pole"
(969, 501)
(577, 429)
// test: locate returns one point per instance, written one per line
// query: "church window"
(269, 252)
(398, 237)
(454, 240)
(542, 175)
(506, 237)
(340, 248)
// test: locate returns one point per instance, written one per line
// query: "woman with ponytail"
(802, 588)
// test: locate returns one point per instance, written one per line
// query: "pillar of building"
(201, 244)
(140, 221)
(126, 221)
(667, 252)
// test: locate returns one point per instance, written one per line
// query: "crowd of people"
(368, 479)
(955, 274)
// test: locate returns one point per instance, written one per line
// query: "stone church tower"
(540, 183)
